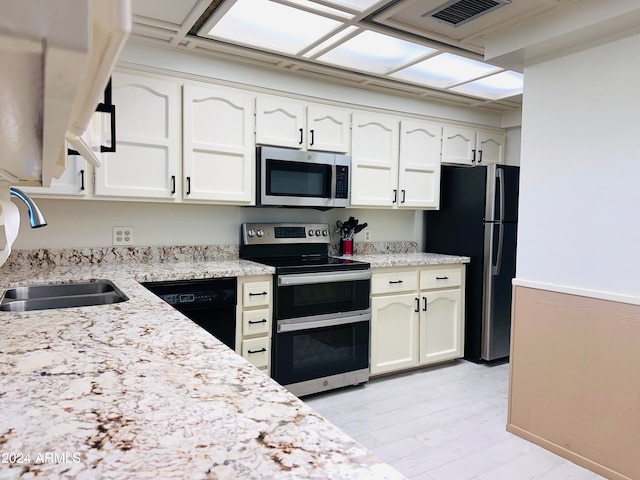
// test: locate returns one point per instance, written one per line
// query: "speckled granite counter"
(409, 259)
(136, 390)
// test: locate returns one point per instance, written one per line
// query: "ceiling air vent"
(459, 12)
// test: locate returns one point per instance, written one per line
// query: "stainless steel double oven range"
(321, 310)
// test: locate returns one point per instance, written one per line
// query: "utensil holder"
(346, 246)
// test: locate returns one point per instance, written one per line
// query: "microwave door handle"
(314, 278)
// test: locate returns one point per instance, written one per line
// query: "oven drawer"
(255, 322)
(440, 277)
(394, 282)
(257, 351)
(256, 294)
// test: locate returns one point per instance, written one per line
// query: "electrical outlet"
(367, 235)
(122, 236)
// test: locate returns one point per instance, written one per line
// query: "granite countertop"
(409, 259)
(136, 390)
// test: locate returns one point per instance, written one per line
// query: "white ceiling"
(185, 25)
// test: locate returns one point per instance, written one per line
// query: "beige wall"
(575, 379)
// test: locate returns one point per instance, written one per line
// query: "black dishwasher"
(210, 302)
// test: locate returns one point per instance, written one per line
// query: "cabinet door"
(280, 122)
(458, 145)
(374, 160)
(72, 182)
(394, 333)
(440, 326)
(419, 167)
(328, 129)
(146, 160)
(490, 147)
(218, 151)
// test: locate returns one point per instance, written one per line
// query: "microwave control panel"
(342, 181)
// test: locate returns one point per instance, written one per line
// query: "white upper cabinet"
(218, 146)
(147, 155)
(289, 123)
(374, 160)
(328, 129)
(469, 146)
(491, 147)
(72, 182)
(395, 162)
(419, 167)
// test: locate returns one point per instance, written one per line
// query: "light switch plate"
(122, 236)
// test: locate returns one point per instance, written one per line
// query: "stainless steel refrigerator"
(478, 218)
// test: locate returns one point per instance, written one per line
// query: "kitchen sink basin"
(64, 295)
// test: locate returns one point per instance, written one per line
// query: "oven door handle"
(331, 322)
(329, 277)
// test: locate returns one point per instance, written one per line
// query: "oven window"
(321, 298)
(298, 179)
(309, 354)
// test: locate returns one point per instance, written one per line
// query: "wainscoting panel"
(575, 379)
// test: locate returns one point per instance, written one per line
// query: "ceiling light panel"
(359, 5)
(374, 52)
(445, 69)
(500, 85)
(272, 26)
(321, 8)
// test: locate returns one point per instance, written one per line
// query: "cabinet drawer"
(256, 294)
(255, 322)
(440, 277)
(392, 282)
(257, 351)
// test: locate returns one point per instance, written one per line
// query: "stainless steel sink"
(64, 295)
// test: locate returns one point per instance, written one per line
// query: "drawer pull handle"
(258, 351)
(417, 305)
(442, 278)
(253, 322)
(257, 294)
(424, 304)
(395, 281)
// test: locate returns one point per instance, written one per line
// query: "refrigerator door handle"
(501, 182)
(498, 265)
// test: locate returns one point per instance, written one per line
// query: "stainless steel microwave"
(297, 178)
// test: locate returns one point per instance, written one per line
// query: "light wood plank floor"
(443, 423)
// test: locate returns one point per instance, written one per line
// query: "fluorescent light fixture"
(330, 41)
(322, 8)
(445, 69)
(272, 26)
(359, 5)
(500, 85)
(374, 52)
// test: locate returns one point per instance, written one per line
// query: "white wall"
(141, 55)
(78, 223)
(580, 166)
(512, 153)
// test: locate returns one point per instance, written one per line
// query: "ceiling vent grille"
(459, 12)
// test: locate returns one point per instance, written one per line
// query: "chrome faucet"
(36, 219)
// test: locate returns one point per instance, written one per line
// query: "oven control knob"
(260, 233)
(317, 233)
(325, 233)
(251, 233)
(311, 233)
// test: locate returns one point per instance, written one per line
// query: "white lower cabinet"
(417, 317)
(394, 333)
(440, 326)
(253, 324)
